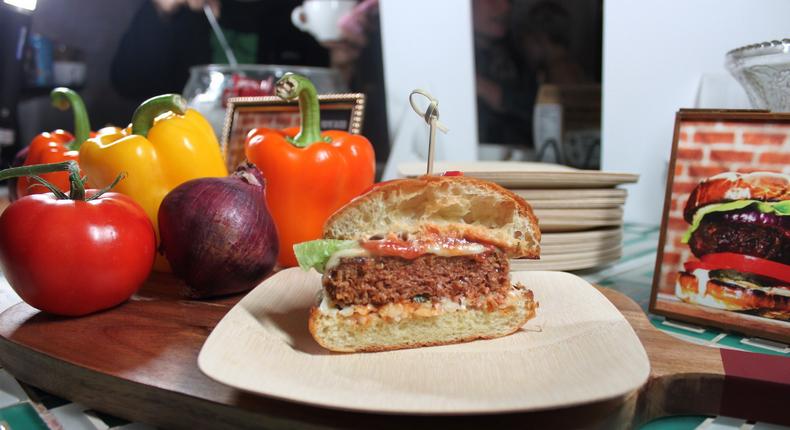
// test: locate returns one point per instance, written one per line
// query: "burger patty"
(381, 280)
(716, 234)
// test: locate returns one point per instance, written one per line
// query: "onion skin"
(757, 218)
(217, 233)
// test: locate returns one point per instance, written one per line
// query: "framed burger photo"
(724, 250)
(344, 111)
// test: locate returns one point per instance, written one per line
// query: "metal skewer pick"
(431, 116)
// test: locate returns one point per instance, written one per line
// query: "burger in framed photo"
(724, 250)
(344, 111)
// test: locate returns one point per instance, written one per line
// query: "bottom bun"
(706, 291)
(368, 333)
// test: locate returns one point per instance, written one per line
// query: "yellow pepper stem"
(146, 113)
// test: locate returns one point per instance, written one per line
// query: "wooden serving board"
(263, 346)
(139, 361)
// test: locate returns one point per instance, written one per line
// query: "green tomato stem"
(292, 86)
(77, 187)
(63, 98)
(144, 115)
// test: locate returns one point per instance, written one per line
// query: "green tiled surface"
(22, 416)
(633, 276)
(675, 423)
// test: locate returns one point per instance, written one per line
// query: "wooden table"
(138, 362)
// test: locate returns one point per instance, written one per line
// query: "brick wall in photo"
(247, 119)
(705, 149)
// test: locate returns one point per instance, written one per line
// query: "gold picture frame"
(344, 111)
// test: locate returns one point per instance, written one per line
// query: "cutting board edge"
(21, 367)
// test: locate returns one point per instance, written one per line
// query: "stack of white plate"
(580, 212)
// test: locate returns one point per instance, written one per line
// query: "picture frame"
(342, 111)
(710, 146)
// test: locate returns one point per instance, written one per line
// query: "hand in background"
(490, 92)
(167, 7)
(353, 27)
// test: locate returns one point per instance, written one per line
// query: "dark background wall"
(95, 27)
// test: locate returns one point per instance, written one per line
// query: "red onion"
(217, 233)
(757, 218)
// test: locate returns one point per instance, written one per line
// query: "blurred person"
(167, 37)
(543, 34)
(506, 88)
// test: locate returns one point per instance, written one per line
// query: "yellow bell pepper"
(166, 146)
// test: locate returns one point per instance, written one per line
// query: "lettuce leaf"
(315, 254)
(779, 208)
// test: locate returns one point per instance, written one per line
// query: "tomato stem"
(77, 187)
(63, 98)
(292, 86)
(146, 113)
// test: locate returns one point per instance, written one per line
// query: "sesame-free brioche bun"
(454, 206)
(731, 186)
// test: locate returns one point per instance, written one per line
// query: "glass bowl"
(209, 86)
(763, 69)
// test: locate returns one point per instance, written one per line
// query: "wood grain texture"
(263, 346)
(601, 245)
(570, 238)
(162, 385)
(564, 226)
(580, 194)
(592, 203)
(569, 214)
(527, 174)
(417, 168)
(570, 260)
(559, 179)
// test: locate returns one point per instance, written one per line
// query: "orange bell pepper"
(56, 146)
(309, 174)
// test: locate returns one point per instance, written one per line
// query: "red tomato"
(741, 263)
(70, 257)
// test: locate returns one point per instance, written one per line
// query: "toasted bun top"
(731, 186)
(455, 206)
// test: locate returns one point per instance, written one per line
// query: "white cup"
(319, 17)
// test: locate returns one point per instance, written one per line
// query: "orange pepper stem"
(292, 86)
(146, 113)
(63, 98)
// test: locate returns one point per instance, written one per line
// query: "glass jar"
(210, 86)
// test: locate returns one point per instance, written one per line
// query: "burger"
(420, 262)
(740, 234)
